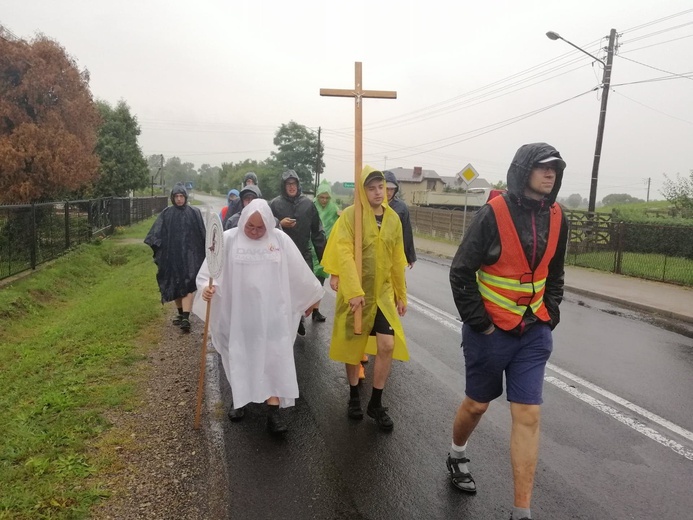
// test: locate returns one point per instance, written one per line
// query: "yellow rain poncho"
(383, 279)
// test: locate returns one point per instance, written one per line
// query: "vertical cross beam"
(358, 94)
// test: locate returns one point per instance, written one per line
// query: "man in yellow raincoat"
(381, 294)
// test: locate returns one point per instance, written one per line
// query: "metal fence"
(31, 234)
(656, 252)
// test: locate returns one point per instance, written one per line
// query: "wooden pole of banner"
(358, 94)
(203, 365)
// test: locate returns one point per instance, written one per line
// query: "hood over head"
(323, 187)
(526, 158)
(368, 174)
(250, 175)
(232, 192)
(257, 206)
(290, 174)
(251, 189)
(391, 181)
(179, 188)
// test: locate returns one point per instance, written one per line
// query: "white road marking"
(451, 322)
(621, 417)
(623, 402)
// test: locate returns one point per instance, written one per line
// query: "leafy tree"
(268, 173)
(298, 151)
(500, 185)
(574, 200)
(176, 171)
(679, 192)
(49, 123)
(616, 199)
(123, 168)
(208, 180)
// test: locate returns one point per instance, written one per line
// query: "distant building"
(416, 179)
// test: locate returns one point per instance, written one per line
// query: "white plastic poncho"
(264, 288)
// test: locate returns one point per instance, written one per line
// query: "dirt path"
(162, 467)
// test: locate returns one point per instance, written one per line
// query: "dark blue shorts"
(522, 358)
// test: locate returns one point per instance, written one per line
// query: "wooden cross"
(358, 94)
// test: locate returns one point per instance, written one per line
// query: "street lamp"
(606, 82)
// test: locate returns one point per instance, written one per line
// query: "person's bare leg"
(186, 302)
(524, 450)
(383, 359)
(352, 372)
(468, 416)
(381, 371)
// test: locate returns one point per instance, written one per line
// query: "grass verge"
(68, 348)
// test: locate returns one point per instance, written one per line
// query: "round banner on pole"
(214, 245)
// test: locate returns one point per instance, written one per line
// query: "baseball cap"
(373, 176)
(553, 158)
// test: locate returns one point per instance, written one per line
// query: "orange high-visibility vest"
(509, 286)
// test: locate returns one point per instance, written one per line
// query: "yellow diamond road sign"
(468, 174)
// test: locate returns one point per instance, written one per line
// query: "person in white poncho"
(264, 288)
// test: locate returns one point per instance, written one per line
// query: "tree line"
(58, 142)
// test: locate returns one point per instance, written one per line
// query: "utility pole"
(318, 162)
(606, 84)
(649, 179)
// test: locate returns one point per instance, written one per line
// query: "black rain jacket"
(177, 239)
(402, 210)
(481, 244)
(231, 221)
(308, 227)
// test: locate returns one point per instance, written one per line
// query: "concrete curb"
(628, 304)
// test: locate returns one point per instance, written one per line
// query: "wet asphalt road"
(616, 426)
(598, 459)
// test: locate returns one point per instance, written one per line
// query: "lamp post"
(606, 82)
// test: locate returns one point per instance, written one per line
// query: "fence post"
(618, 267)
(90, 220)
(34, 238)
(67, 225)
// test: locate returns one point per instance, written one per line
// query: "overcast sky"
(211, 81)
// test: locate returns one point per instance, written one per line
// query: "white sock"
(519, 513)
(459, 452)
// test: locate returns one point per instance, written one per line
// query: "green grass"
(650, 266)
(138, 230)
(68, 349)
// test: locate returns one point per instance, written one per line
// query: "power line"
(649, 35)
(655, 44)
(496, 126)
(655, 68)
(653, 22)
(651, 108)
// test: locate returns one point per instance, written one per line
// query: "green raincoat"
(328, 216)
(383, 280)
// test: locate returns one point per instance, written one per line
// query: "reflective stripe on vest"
(509, 286)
